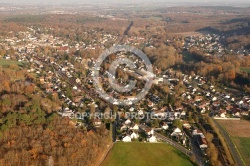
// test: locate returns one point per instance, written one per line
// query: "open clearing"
(146, 154)
(189, 33)
(239, 130)
(245, 69)
(4, 62)
(187, 57)
(194, 33)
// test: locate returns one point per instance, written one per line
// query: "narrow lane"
(237, 159)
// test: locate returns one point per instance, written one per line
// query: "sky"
(210, 2)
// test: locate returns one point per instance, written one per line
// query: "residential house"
(135, 127)
(127, 139)
(152, 139)
(150, 131)
(177, 132)
(197, 132)
(165, 126)
(128, 122)
(202, 141)
(134, 135)
(186, 125)
(223, 113)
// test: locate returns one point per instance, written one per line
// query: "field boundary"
(104, 156)
(230, 139)
(244, 162)
(226, 118)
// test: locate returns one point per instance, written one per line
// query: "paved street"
(230, 145)
(195, 151)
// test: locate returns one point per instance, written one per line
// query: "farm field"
(239, 131)
(137, 154)
(237, 128)
(243, 145)
(193, 33)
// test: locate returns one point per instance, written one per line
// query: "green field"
(245, 69)
(243, 145)
(145, 154)
(5, 62)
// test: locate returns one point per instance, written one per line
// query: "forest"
(31, 133)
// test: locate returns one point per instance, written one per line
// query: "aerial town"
(200, 92)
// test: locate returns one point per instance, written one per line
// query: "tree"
(177, 123)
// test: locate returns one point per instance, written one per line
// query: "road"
(195, 151)
(169, 141)
(125, 33)
(232, 148)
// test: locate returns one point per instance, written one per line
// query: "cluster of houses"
(211, 99)
(211, 45)
(131, 131)
(135, 41)
(26, 42)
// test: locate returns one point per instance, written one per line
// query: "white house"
(165, 126)
(152, 139)
(150, 131)
(214, 98)
(203, 110)
(135, 127)
(197, 132)
(176, 132)
(132, 109)
(134, 135)
(202, 141)
(237, 114)
(127, 139)
(127, 122)
(183, 113)
(78, 81)
(223, 115)
(177, 115)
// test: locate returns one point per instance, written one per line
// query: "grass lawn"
(245, 69)
(4, 62)
(145, 154)
(243, 145)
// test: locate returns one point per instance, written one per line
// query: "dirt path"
(104, 154)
